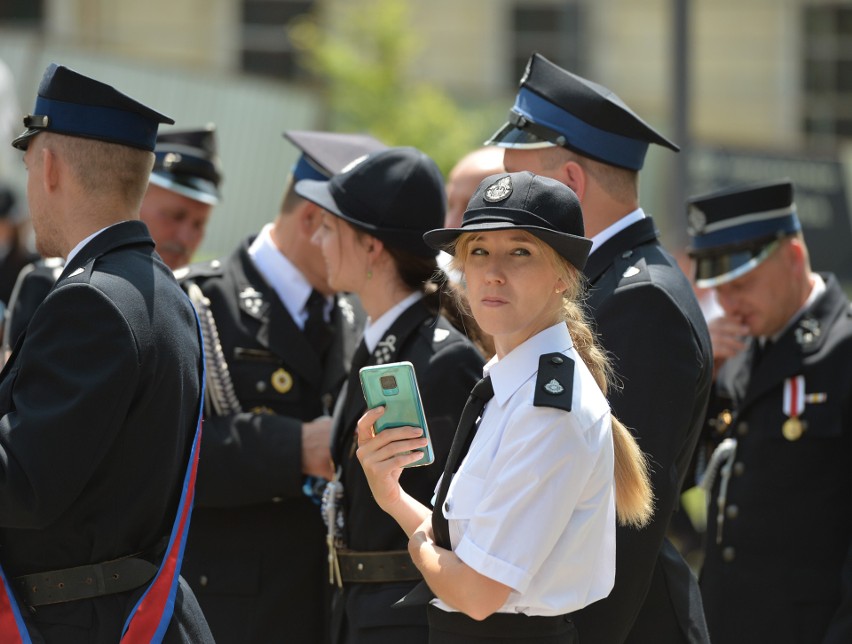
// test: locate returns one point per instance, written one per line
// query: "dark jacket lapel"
(636, 234)
(267, 312)
(802, 339)
(388, 349)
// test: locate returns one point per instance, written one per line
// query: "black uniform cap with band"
(395, 195)
(555, 107)
(76, 105)
(542, 206)
(734, 230)
(324, 154)
(186, 162)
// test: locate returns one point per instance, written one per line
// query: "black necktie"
(482, 392)
(759, 350)
(317, 330)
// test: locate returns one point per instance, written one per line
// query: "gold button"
(728, 554)
(732, 511)
(360, 566)
(202, 580)
(742, 429)
(739, 468)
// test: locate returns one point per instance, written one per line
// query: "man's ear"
(575, 177)
(309, 216)
(52, 169)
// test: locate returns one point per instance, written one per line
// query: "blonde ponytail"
(634, 499)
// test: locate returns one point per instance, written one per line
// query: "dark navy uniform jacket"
(98, 409)
(447, 366)
(782, 571)
(256, 555)
(650, 323)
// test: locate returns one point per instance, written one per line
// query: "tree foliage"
(365, 57)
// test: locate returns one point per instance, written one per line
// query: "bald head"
(466, 176)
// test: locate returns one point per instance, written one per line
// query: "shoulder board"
(201, 269)
(554, 384)
(631, 267)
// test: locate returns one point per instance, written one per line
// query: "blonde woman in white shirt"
(523, 530)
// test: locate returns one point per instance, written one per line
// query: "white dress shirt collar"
(374, 331)
(285, 279)
(611, 231)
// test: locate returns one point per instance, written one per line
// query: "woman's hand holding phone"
(384, 455)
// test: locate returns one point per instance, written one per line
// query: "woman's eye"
(521, 251)
(478, 251)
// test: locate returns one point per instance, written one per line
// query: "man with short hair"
(100, 402)
(183, 188)
(779, 522)
(281, 346)
(576, 131)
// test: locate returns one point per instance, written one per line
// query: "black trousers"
(457, 628)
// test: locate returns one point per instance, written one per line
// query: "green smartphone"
(394, 385)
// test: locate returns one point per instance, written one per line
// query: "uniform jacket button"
(739, 468)
(202, 581)
(728, 554)
(742, 428)
(732, 511)
(446, 506)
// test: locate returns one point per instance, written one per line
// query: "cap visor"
(318, 193)
(22, 141)
(574, 249)
(205, 193)
(509, 136)
(715, 270)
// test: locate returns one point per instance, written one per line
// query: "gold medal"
(792, 428)
(282, 381)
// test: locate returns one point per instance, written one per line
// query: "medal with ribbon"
(793, 406)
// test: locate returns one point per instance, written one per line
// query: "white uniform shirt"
(532, 505)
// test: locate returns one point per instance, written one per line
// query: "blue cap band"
(756, 230)
(304, 169)
(98, 122)
(606, 146)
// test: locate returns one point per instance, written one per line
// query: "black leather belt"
(377, 567)
(84, 582)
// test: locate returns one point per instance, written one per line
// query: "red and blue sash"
(153, 612)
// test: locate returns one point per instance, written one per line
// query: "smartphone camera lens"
(388, 382)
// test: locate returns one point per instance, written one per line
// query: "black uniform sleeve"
(658, 359)
(69, 401)
(32, 286)
(249, 458)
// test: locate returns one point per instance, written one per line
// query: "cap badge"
(697, 220)
(499, 190)
(553, 387)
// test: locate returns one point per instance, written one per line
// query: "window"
(21, 12)
(827, 74)
(266, 47)
(553, 30)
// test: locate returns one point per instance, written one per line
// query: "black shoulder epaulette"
(201, 269)
(554, 385)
